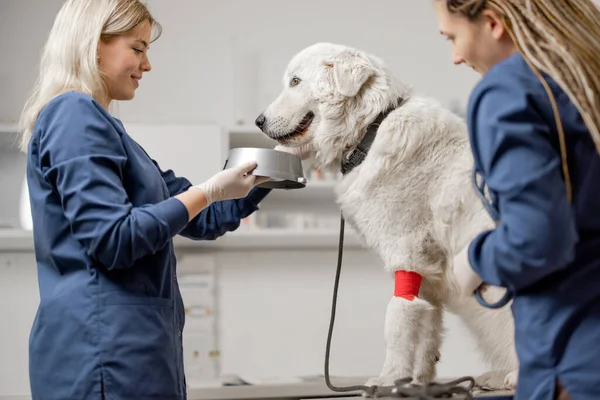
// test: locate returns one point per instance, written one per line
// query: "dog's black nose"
(260, 121)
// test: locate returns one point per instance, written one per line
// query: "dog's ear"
(350, 71)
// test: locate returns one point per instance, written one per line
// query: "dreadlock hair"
(560, 38)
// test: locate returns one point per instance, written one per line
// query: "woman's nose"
(146, 66)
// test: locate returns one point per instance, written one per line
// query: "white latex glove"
(303, 151)
(232, 183)
(466, 278)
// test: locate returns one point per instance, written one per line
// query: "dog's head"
(330, 94)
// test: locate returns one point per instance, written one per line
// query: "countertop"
(302, 391)
(14, 240)
(310, 389)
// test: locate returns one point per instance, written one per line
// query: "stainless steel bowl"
(284, 169)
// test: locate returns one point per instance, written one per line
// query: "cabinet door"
(197, 278)
(19, 298)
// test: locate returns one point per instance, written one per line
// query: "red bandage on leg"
(407, 284)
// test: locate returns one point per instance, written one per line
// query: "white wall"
(214, 53)
(221, 62)
(24, 25)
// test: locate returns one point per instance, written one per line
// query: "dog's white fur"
(411, 199)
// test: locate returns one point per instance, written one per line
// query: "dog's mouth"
(299, 130)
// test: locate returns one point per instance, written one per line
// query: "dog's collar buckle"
(360, 153)
(354, 159)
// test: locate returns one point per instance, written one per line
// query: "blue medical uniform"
(543, 249)
(110, 319)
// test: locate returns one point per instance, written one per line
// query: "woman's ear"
(494, 23)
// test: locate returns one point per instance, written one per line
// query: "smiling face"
(122, 61)
(480, 42)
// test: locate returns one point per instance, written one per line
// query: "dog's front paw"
(383, 380)
(497, 380)
(379, 381)
(511, 379)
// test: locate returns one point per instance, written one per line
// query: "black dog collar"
(358, 155)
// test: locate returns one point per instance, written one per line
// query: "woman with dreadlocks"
(534, 126)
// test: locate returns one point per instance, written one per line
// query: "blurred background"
(258, 300)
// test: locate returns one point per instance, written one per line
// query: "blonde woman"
(110, 319)
(534, 122)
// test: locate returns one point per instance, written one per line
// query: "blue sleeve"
(218, 218)
(82, 157)
(512, 146)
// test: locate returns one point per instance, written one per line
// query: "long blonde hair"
(69, 59)
(561, 38)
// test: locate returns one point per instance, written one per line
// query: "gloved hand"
(468, 281)
(232, 183)
(303, 151)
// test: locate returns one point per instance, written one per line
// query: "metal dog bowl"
(284, 169)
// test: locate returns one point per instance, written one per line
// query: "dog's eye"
(294, 81)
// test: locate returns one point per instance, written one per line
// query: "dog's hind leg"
(428, 348)
(497, 380)
(402, 336)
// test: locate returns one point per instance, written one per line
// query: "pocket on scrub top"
(131, 299)
(138, 337)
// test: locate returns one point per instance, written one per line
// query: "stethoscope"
(494, 214)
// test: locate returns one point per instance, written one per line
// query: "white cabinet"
(197, 275)
(19, 299)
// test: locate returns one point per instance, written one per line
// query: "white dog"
(411, 199)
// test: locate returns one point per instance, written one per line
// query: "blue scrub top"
(110, 319)
(544, 250)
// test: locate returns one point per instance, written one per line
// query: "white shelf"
(8, 128)
(9, 138)
(276, 239)
(312, 186)
(317, 190)
(327, 184)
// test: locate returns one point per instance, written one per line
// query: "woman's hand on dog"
(468, 281)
